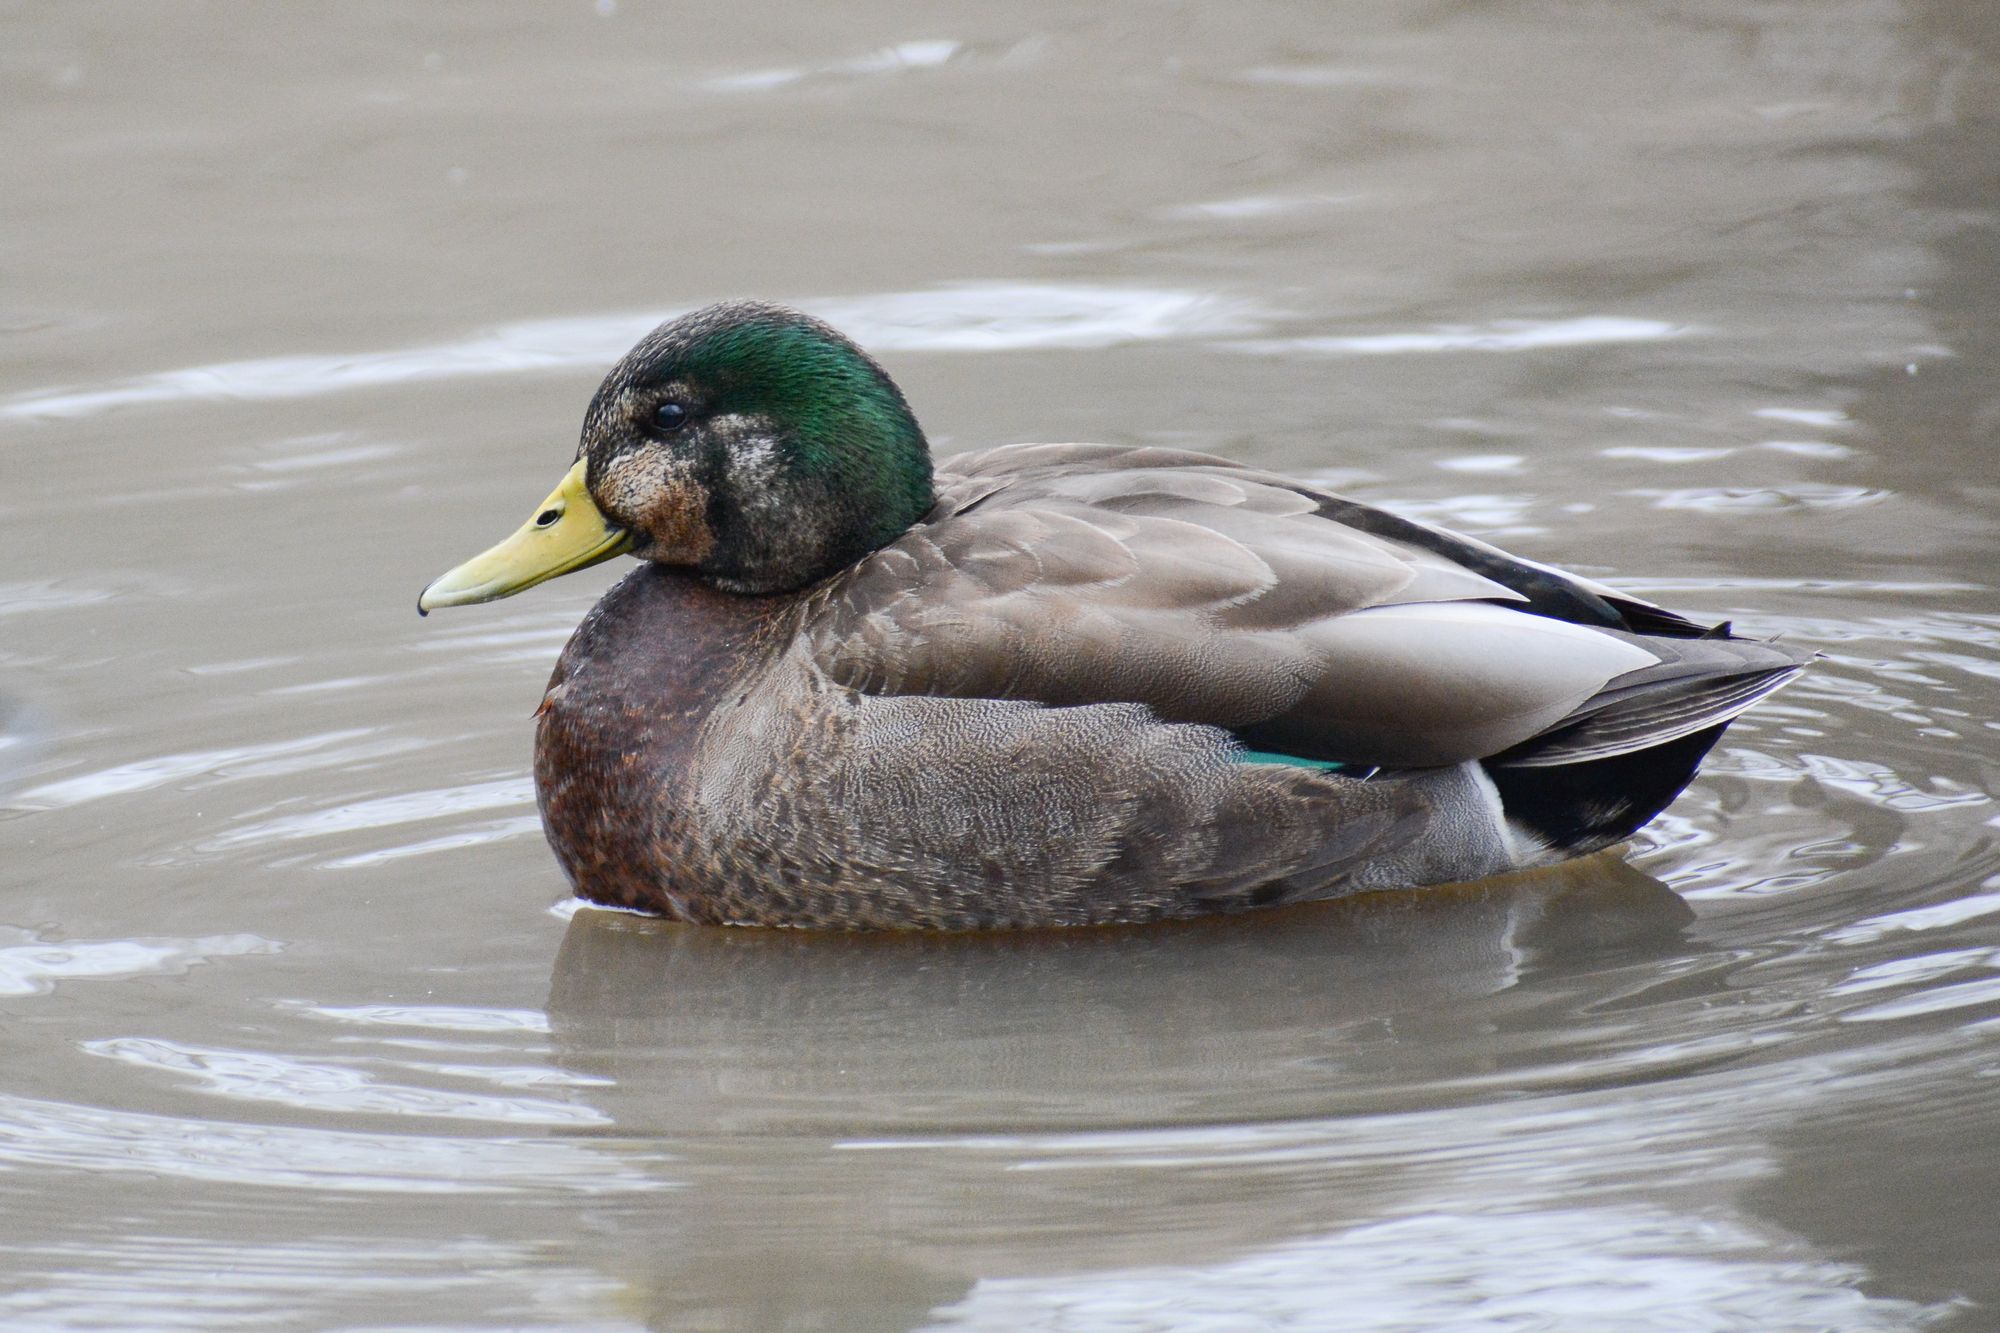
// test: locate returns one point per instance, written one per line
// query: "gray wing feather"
(1214, 593)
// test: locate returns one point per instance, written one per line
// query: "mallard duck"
(1051, 684)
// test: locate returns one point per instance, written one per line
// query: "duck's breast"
(620, 726)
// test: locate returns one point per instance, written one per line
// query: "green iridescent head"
(746, 441)
(756, 444)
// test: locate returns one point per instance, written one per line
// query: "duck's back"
(1302, 622)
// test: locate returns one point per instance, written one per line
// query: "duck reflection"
(749, 1031)
(852, 1122)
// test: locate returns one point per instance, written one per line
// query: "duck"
(848, 687)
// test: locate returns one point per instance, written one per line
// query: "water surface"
(301, 307)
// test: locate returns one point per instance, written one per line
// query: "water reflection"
(1327, 1108)
(750, 1032)
(822, 1090)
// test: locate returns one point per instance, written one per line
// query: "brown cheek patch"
(670, 507)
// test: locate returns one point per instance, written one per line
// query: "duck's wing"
(1301, 621)
(961, 813)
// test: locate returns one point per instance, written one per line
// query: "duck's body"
(1081, 684)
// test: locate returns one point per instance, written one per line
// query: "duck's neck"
(828, 509)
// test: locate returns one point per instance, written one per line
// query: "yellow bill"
(568, 532)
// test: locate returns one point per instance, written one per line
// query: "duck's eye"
(547, 517)
(670, 416)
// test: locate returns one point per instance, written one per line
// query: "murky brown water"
(301, 305)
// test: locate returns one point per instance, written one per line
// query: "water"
(301, 307)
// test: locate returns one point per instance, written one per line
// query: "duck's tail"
(1615, 762)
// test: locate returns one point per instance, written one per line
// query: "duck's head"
(745, 441)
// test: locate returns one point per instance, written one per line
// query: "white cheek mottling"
(753, 453)
(758, 462)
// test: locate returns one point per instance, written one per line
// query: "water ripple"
(1500, 335)
(336, 1089)
(898, 59)
(1983, 994)
(379, 812)
(1734, 499)
(1828, 418)
(1934, 916)
(151, 1282)
(1870, 780)
(497, 830)
(158, 770)
(965, 317)
(34, 1132)
(1915, 970)
(34, 966)
(433, 1017)
(1634, 1267)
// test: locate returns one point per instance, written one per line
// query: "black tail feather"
(1639, 718)
(1581, 807)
